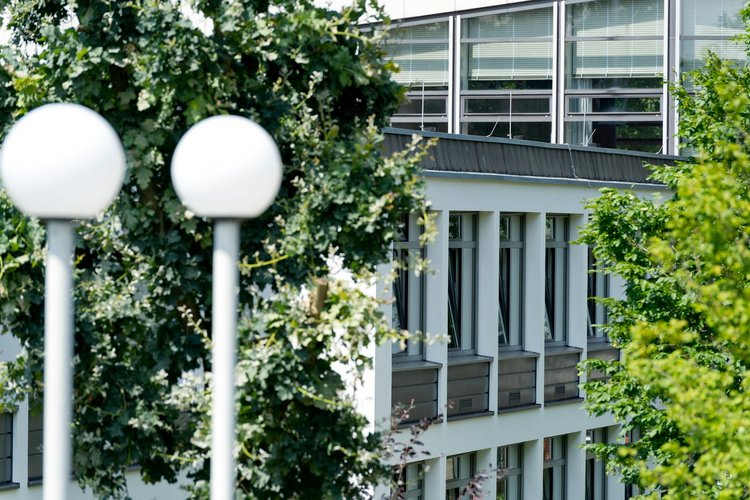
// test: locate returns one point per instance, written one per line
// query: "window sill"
(561, 349)
(411, 423)
(485, 413)
(533, 406)
(516, 354)
(35, 482)
(414, 364)
(561, 402)
(9, 486)
(468, 359)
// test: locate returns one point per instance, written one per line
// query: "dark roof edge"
(537, 144)
(527, 179)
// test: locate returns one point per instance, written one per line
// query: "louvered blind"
(519, 46)
(712, 18)
(633, 56)
(422, 55)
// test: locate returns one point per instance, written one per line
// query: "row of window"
(408, 310)
(612, 52)
(461, 470)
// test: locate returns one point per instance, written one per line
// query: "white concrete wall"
(484, 434)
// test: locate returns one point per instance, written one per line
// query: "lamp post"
(60, 162)
(226, 168)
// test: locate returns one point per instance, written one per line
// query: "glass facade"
(587, 73)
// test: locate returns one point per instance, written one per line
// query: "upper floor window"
(598, 286)
(459, 470)
(408, 287)
(6, 448)
(422, 53)
(556, 279)
(506, 74)
(615, 43)
(510, 472)
(553, 476)
(408, 481)
(711, 26)
(462, 268)
(510, 322)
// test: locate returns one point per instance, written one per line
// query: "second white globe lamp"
(227, 168)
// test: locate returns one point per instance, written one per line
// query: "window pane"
(523, 51)
(714, 18)
(531, 131)
(417, 106)
(510, 295)
(614, 105)
(506, 105)
(408, 286)
(425, 126)
(422, 55)
(616, 18)
(461, 281)
(635, 136)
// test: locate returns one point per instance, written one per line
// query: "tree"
(153, 68)
(684, 325)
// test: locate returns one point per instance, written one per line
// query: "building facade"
(581, 72)
(502, 320)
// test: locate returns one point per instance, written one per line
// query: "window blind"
(714, 18)
(631, 56)
(526, 52)
(421, 64)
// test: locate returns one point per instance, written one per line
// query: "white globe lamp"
(62, 161)
(227, 168)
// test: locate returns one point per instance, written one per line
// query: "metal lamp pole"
(60, 162)
(226, 168)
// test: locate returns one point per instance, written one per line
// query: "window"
(36, 445)
(598, 286)
(408, 287)
(459, 471)
(462, 258)
(596, 484)
(408, 481)
(711, 26)
(422, 53)
(6, 448)
(506, 74)
(615, 65)
(556, 277)
(553, 475)
(509, 472)
(510, 322)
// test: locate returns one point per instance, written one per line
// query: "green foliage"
(684, 325)
(317, 83)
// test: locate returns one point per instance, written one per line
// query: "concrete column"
(533, 457)
(379, 377)
(488, 278)
(615, 487)
(577, 285)
(487, 464)
(436, 309)
(533, 338)
(434, 478)
(21, 445)
(575, 465)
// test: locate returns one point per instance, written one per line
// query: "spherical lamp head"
(62, 161)
(227, 167)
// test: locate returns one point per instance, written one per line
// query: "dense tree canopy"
(684, 326)
(153, 68)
